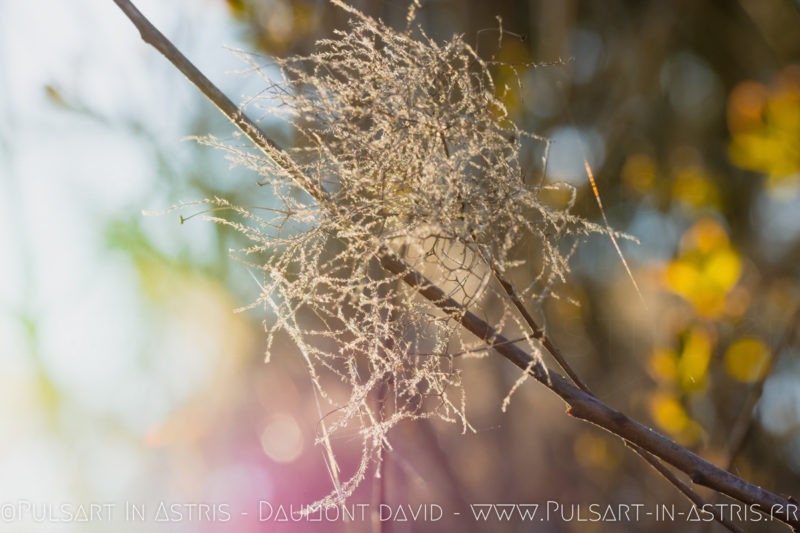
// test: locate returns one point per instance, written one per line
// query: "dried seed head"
(414, 151)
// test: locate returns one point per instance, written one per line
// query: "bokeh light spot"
(747, 359)
(282, 439)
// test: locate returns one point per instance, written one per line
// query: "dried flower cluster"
(402, 143)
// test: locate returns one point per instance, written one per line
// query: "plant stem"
(582, 405)
(744, 422)
(586, 407)
(538, 333)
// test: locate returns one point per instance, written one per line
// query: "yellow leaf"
(694, 187)
(664, 365)
(747, 359)
(669, 414)
(681, 277)
(639, 172)
(765, 125)
(693, 365)
(724, 268)
(707, 269)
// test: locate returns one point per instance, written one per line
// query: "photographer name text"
(21, 511)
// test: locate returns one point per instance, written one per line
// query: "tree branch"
(590, 409)
(538, 332)
(582, 405)
(687, 491)
(152, 36)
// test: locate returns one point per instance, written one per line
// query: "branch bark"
(586, 407)
(581, 404)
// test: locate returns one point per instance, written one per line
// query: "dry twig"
(364, 200)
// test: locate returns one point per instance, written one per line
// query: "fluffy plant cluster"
(402, 144)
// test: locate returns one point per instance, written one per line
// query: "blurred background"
(127, 379)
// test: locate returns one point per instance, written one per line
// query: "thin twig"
(744, 423)
(646, 456)
(379, 482)
(538, 333)
(152, 36)
(582, 405)
(586, 407)
(687, 491)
